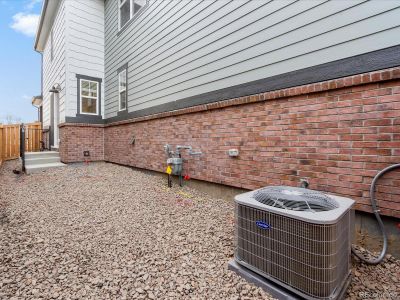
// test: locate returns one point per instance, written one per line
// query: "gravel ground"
(109, 232)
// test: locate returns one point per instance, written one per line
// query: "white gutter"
(39, 28)
(47, 17)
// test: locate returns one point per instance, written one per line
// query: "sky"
(20, 65)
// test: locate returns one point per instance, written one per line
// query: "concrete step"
(42, 160)
(42, 167)
(32, 155)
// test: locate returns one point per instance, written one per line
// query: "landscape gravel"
(103, 231)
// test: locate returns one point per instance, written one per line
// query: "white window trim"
(131, 14)
(122, 90)
(91, 97)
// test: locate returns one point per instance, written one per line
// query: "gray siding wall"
(85, 46)
(54, 69)
(78, 37)
(179, 49)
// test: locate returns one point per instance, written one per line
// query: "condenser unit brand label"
(263, 225)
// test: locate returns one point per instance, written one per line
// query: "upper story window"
(129, 8)
(122, 89)
(89, 92)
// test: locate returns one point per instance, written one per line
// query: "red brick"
(336, 133)
(365, 144)
(375, 93)
(350, 178)
(394, 144)
(378, 122)
(364, 130)
(78, 138)
(377, 137)
(389, 98)
(352, 137)
(376, 151)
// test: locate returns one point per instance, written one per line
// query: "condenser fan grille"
(292, 198)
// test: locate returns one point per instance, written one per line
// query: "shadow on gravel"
(3, 214)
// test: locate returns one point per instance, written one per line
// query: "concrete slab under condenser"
(271, 288)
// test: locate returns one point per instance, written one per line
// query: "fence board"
(2, 144)
(10, 140)
(33, 136)
(13, 140)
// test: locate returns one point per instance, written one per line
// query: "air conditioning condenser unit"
(297, 238)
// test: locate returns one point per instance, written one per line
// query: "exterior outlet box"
(86, 153)
(233, 152)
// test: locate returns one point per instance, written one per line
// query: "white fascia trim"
(47, 17)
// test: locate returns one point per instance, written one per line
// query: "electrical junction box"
(233, 152)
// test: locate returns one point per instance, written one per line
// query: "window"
(122, 89)
(89, 91)
(129, 8)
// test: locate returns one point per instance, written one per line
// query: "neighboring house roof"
(49, 12)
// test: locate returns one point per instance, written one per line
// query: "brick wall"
(76, 138)
(338, 134)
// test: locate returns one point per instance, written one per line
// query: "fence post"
(22, 146)
(2, 144)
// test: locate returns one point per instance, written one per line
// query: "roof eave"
(47, 16)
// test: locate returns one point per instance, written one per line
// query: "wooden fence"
(33, 136)
(1, 144)
(10, 140)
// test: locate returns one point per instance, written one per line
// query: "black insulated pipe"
(375, 209)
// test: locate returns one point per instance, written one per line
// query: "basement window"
(122, 79)
(128, 9)
(89, 94)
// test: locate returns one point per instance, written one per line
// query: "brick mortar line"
(81, 125)
(323, 86)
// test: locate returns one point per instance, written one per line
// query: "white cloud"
(25, 23)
